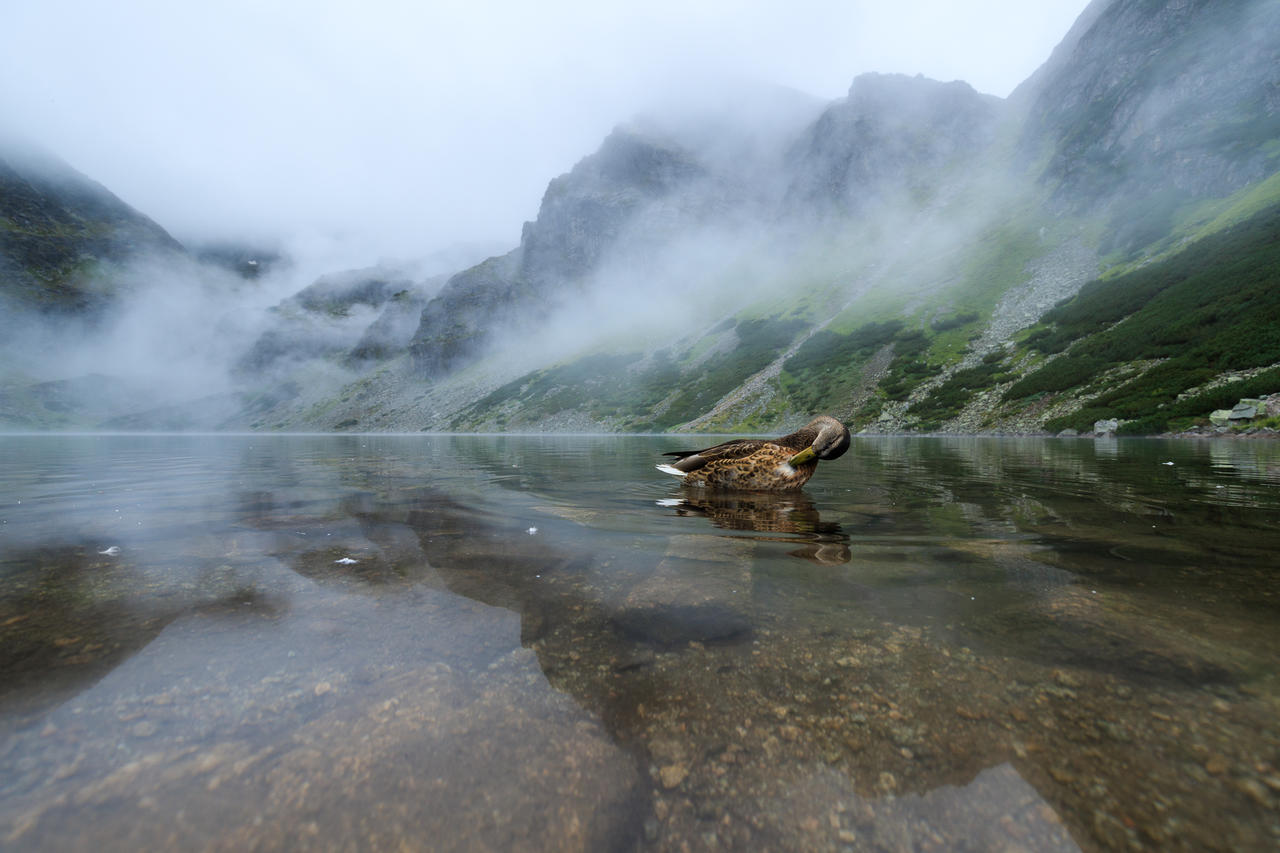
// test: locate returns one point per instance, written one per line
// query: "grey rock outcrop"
(1107, 426)
(893, 136)
(620, 190)
(1147, 104)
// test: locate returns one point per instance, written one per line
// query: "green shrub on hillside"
(1199, 405)
(825, 350)
(1058, 375)
(910, 366)
(759, 343)
(949, 399)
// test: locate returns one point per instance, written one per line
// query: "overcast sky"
(402, 127)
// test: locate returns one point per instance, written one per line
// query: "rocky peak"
(583, 215)
(337, 293)
(632, 161)
(893, 133)
(584, 211)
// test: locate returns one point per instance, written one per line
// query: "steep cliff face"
(636, 187)
(894, 138)
(474, 305)
(584, 213)
(1154, 102)
(59, 231)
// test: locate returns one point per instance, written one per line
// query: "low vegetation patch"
(591, 383)
(910, 365)
(1212, 308)
(760, 341)
(829, 364)
(950, 398)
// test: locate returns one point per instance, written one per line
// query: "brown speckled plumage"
(763, 464)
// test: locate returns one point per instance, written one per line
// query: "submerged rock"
(326, 740)
(1106, 427)
(700, 591)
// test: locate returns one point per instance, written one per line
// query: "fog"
(418, 139)
(388, 129)
(755, 221)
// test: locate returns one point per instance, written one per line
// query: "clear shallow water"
(543, 643)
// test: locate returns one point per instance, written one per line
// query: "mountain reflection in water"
(535, 643)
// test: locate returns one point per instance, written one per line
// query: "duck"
(760, 464)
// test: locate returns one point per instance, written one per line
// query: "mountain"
(1156, 105)
(357, 315)
(915, 256)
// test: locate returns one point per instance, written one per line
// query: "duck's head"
(831, 440)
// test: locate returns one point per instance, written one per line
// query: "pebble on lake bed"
(672, 775)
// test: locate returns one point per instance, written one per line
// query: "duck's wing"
(692, 460)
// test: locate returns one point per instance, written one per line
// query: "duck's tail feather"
(667, 469)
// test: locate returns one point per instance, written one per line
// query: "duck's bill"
(806, 455)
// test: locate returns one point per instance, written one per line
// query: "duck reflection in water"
(792, 513)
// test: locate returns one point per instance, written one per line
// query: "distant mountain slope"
(59, 230)
(633, 190)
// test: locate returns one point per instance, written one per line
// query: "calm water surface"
(541, 643)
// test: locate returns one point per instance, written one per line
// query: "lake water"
(542, 643)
